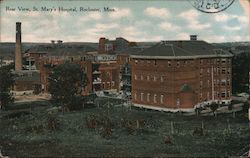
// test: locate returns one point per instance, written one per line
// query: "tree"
(214, 106)
(7, 81)
(66, 83)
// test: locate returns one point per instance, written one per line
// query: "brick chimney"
(18, 51)
(193, 37)
(102, 42)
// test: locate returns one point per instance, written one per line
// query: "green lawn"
(116, 132)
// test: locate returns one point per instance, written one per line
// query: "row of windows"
(183, 62)
(218, 94)
(217, 70)
(222, 82)
(154, 62)
(214, 61)
(146, 97)
(148, 78)
(108, 84)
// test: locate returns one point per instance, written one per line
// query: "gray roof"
(25, 75)
(132, 50)
(182, 49)
(62, 49)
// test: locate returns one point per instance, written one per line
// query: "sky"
(135, 20)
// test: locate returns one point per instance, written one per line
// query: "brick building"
(102, 71)
(181, 75)
(168, 75)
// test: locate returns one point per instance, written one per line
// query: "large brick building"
(177, 75)
(102, 71)
(181, 75)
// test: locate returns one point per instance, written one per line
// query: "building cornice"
(182, 57)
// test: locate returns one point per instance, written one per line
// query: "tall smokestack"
(18, 52)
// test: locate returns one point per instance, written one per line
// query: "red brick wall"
(165, 79)
(102, 42)
(110, 76)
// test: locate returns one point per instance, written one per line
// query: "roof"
(181, 49)
(62, 49)
(25, 75)
(132, 50)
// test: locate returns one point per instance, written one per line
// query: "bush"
(214, 106)
(52, 123)
(246, 107)
(76, 103)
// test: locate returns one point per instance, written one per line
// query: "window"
(141, 77)
(148, 97)
(201, 71)
(223, 70)
(201, 84)
(155, 98)
(162, 99)
(228, 82)
(155, 78)
(162, 79)
(148, 78)
(135, 96)
(208, 70)
(208, 83)
(169, 63)
(136, 61)
(223, 94)
(201, 61)
(155, 62)
(223, 82)
(228, 71)
(113, 83)
(135, 77)
(223, 60)
(228, 94)
(208, 95)
(142, 96)
(178, 64)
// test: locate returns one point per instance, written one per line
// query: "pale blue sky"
(133, 20)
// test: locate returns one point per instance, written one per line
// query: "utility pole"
(249, 117)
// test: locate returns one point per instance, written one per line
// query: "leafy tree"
(65, 85)
(6, 83)
(240, 70)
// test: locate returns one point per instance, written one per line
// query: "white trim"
(181, 57)
(164, 109)
(205, 103)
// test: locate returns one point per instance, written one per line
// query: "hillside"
(7, 49)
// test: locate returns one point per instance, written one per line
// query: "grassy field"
(120, 132)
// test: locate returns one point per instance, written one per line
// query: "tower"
(18, 51)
